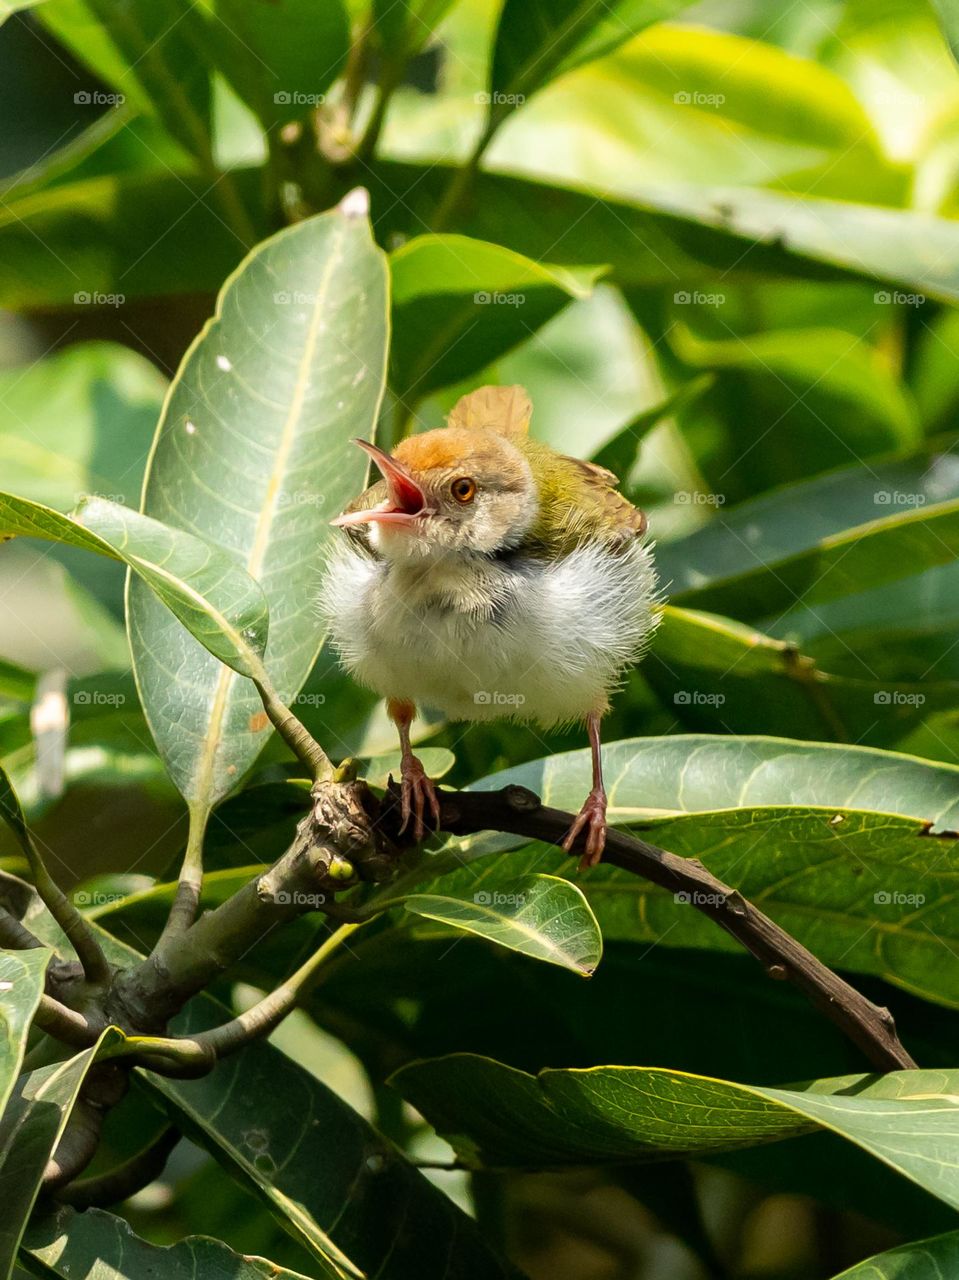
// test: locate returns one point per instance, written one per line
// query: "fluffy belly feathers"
(528, 639)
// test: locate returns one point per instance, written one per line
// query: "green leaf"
(923, 1260)
(404, 26)
(538, 40)
(544, 917)
(907, 1119)
(281, 57)
(101, 1246)
(149, 52)
(460, 304)
(22, 975)
(144, 234)
(11, 811)
(948, 13)
(326, 1175)
(254, 450)
(621, 454)
(686, 239)
(841, 533)
(686, 103)
(720, 676)
(206, 590)
(836, 843)
(30, 1128)
(822, 386)
(79, 423)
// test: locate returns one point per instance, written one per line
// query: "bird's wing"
(601, 510)
(506, 410)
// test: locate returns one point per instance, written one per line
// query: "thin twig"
(518, 811)
(293, 732)
(65, 1024)
(84, 942)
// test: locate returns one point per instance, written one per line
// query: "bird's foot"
(592, 819)
(416, 793)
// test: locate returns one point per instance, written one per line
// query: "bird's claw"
(592, 819)
(416, 792)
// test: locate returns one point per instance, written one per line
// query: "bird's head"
(456, 489)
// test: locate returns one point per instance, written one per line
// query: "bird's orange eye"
(463, 489)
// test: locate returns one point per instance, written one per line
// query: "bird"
(486, 575)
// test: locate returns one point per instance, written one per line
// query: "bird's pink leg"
(417, 791)
(592, 816)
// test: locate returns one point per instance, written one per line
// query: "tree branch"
(520, 812)
(126, 1179)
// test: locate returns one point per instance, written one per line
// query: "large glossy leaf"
(721, 676)
(459, 304)
(539, 39)
(544, 917)
(837, 843)
(842, 533)
(686, 103)
(201, 585)
(281, 58)
(101, 1246)
(907, 1119)
(335, 1184)
(30, 1129)
(22, 975)
(924, 1260)
(687, 238)
(254, 451)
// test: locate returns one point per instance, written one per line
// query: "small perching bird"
(487, 576)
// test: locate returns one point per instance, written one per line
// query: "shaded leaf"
(30, 1128)
(841, 533)
(922, 1260)
(544, 917)
(253, 450)
(22, 975)
(282, 57)
(101, 1246)
(907, 1119)
(461, 303)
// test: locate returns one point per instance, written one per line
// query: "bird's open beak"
(405, 502)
